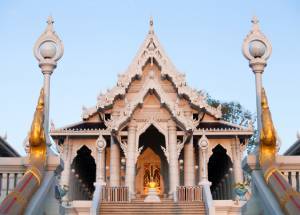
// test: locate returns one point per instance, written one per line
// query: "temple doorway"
(152, 164)
(218, 165)
(84, 165)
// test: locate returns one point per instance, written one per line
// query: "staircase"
(138, 207)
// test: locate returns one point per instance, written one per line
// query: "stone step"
(141, 208)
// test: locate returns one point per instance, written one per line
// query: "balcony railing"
(189, 193)
(115, 194)
(290, 168)
(11, 171)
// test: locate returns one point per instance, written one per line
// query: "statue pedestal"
(152, 196)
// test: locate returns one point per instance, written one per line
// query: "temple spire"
(151, 27)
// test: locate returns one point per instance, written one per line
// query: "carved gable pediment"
(152, 52)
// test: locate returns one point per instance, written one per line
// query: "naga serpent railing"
(16, 201)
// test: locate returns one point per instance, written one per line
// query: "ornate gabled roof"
(172, 106)
(152, 50)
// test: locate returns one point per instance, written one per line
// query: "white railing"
(115, 194)
(189, 193)
(290, 168)
(207, 197)
(78, 191)
(96, 201)
(11, 171)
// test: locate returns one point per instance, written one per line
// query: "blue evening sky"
(203, 39)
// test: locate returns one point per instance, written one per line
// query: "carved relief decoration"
(165, 151)
(187, 122)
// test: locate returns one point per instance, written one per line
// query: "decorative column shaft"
(237, 165)
(203, 146)
(257, 49)
(66, 153)
(130, 160)
(173, 158)
(189, 164)
(100, 174)
(114, 163)
(48, 50)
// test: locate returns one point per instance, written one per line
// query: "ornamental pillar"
(66, 154)
(114, 163)
(203, 149)
(130, 160)
(189, 164)
(237, 163)
(173, 158)
(100, 173)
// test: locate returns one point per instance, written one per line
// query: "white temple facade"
(151, 127)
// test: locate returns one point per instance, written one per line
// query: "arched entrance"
(218, 165)
(85, 166)
(152, 163)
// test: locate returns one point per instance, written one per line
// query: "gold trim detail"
(269, 172)
(36, 173)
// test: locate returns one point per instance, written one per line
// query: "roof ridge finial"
(298, 134)
(5, 136)
(151, 27)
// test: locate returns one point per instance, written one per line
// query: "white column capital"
(132, 125)
(171, 125)
(101, 143)
(203, 142)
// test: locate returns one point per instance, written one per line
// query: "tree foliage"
(235, 113)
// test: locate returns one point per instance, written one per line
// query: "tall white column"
(189, 164)
(48, 49)
(237, 163)
(257, 49)
(130, 160)
(66, 153)
(100, 173)
(203, 146)
(114, 163)
(173, 157)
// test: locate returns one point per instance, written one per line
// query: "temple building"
(151, 127)
(150, 145)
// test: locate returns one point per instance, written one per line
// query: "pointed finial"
(151, 28)
(50, 22)
(298, 134)
(5, 136)
(255, 22)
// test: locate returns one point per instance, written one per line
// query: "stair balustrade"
(115, 194)
(189, 193)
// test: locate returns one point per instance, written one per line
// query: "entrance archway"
(218, 165)
(85, 166)
(152, 163)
